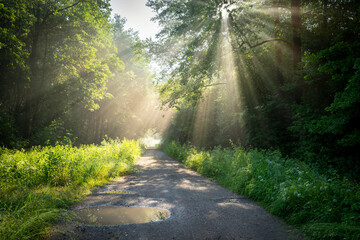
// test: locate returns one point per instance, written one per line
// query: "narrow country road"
(200, 208)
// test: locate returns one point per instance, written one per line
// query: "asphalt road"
(200, 208)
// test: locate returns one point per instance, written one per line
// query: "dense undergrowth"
(324, 207)
(37, 185)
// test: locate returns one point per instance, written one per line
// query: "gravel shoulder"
(200, 208)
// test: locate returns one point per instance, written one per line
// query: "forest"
(265, 74)
(70, 72)
(274, 79)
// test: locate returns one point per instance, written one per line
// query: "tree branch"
(70, 6)
(214, 84)
(279, 6)
(268, 40)
(245, 41)
(61, 10)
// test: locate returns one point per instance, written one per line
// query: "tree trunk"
(278, 52)
(324, 25)
(40, 82)
(33, 73)
(97, 126)
(101, 130)
(325, 7)
(296, 25)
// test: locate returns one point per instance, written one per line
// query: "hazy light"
(233, 86)
(152, 139)
(138, 16)
(224, 87)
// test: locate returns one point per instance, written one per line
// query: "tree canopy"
(269, 74)
(69, 70)
(294, 65)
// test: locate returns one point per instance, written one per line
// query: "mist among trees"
(70, 72)
(265, 74)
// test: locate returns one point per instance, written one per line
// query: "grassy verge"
(323, 207)
(37, 185)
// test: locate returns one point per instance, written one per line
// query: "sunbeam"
(221, 97)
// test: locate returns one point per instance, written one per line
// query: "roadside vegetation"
(37, 185)
(323, 206)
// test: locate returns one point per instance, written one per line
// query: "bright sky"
(138, 16)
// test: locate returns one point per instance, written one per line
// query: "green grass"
(37, 185)
(324, 207)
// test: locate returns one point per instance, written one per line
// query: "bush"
(327, 121)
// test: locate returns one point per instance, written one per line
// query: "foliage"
(8, 131)
(122, 114)
(53, 134)
(225, 83)
(289, 79)
(267, 74)
(37, 185)
(186, 47)
(69, 62)
(60, 59)
(329, 126)
(324, 206)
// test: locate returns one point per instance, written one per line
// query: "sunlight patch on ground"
(187, 184)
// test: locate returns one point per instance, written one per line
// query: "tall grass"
(37, 185)
(324, 207)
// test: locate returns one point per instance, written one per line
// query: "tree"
(307, 105)
(57, 58)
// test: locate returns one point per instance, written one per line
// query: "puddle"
(118, 192)
(106, 215)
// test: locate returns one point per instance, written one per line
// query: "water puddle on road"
(107, 215)
(118, 192)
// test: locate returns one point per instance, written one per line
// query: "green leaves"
(187, 47)
(56, 56)
(330, 121)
